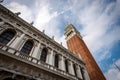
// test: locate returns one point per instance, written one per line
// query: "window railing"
(31, 59)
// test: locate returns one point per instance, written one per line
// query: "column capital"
(36, 43)
(60, 56)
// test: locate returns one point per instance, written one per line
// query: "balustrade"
(33, 60)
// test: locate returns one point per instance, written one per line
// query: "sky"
(98, 21)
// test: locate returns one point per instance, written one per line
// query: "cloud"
(118, 62)
(104, 44)
(113, 73)
(48, 20)
(96, 25)
(44, 16)
(26, 12)
(97, 19)
(105, 55)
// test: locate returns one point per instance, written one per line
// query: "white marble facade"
(25, 32)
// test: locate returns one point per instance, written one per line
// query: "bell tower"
(76, 45)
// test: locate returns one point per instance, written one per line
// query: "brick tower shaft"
(77, 46)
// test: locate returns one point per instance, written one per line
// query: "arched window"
(43, 55)
(27, 47)
(74, 66)
(56, 61)
(6, 36)
(66, 65)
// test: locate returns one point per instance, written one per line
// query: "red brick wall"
(77, 45)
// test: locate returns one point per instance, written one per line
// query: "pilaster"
(36, 50)
(16, 43)
(71, 70)
(62, 63)
(51, 57)
(79, 74)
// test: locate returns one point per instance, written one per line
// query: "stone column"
(51, 57)
(36, 50)
(16, 43)
(79, 74)
(62, 63)
(1, 23)
(40, 51)
(48, 56)
(85, 74)
(71, 70)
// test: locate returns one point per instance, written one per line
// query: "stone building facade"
(28, 54)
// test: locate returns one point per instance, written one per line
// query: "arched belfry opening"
(44, 54)
(27, 47)
(7, 36)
